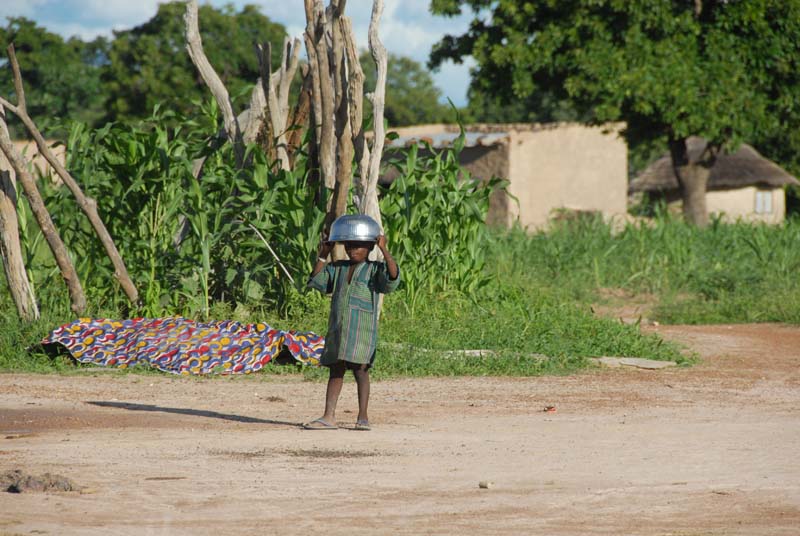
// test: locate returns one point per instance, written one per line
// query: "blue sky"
(407, 28)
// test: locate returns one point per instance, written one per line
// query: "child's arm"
(391, 265)
(320, 277)
(388, 279)
(323, 251)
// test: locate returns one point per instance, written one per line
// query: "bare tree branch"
(369, 204)
(300, 115)
(275, 87)
(195, 47)
(17, 161)
(355, 96)
(344, 136)
(316, 40)
(87, 204)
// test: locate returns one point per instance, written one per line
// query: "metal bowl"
(354, 228)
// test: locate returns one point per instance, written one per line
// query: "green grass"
(537, 302)
(726, 273)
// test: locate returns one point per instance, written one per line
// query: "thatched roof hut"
(745, 167)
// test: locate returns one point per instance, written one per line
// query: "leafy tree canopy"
(724, 70)
(149, 64)
(411, 96)
(62, 78)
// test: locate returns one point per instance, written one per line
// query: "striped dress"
(353, 323)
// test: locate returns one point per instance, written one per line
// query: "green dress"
(353, 323)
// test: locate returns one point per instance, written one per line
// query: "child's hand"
(381, 242)
(325, 248)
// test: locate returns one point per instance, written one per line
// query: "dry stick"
(87, 204)
(11, 252)
(310, 39)
(276, 89)
(355, 95)
(252, 119)
(285, 271)
(194, 45)
(342, 127)
(327, 156)
(337, 204)
(300, 116)
(49, 231)
(369, 204)
(289, 62)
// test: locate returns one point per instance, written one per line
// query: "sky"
(407, 28)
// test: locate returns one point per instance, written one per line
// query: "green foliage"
(725, 273)
(149, 65)
(728, 73)
(411, 96)
(434, 220)
(62, 78)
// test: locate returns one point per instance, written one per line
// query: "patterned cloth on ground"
(184, 346)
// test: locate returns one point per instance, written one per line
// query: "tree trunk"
(318, 49)
(11, 253)
(692, 175)
(369, 186)
(43, 219)
(693, 193)
(298, 120)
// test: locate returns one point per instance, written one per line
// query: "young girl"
(353, 324)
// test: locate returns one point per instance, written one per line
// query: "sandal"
(363, 426)
(319, 424)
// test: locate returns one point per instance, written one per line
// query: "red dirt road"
(709, 450)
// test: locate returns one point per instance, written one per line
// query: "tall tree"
(723, 70)
(411, 96)
(62, 77)
(149, 64)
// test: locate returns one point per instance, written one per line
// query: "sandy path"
(708, 450)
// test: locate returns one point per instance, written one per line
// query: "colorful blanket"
(183, 346)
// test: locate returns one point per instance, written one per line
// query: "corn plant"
(434, 217)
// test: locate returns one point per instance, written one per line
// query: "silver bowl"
(354, 228)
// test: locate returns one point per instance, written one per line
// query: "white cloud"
(86, 33)
(19, 8)
(121, 13)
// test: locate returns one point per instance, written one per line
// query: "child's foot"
(363, 425)
(319, 424)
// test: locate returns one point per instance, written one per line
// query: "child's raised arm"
(323, 251)
(317, 279)
(391, 264)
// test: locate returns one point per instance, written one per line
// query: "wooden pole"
(194, 45)
(11, 252)
(36, 203)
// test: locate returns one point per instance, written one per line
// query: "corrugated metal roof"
(446, 139)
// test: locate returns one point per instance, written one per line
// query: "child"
(353, 324)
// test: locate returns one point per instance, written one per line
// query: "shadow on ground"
(188, 411)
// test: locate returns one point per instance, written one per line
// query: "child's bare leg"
(362, 383)
(335, 381)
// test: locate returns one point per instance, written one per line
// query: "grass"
(535, 313)
(726, 273)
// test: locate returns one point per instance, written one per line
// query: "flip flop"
(362, 426)
(319, 424)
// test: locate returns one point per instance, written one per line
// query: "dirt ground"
(709, 450)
